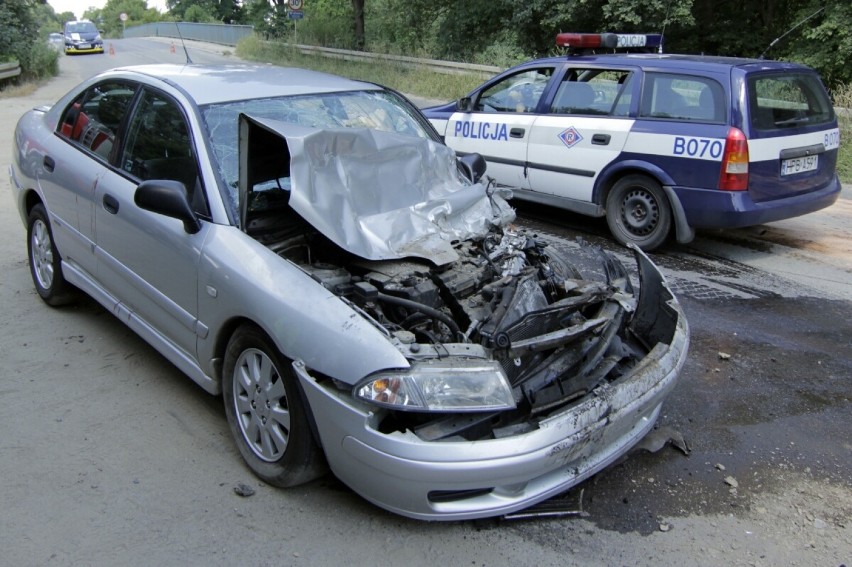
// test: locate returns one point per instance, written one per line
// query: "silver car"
(305, 246)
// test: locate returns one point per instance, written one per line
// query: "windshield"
(376, 110)
(80, 27)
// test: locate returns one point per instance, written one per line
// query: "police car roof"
(674, 61)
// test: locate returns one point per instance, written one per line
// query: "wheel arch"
(31, 199)
(223, 337)
(683, 231)
(616, 171)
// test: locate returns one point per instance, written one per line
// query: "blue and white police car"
(660, 144)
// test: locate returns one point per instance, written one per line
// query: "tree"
(358, 23)
(21, 40)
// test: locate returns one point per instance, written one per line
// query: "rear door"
(793, 134)
(584, 129)
(499, 125)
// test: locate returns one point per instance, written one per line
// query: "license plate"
(799, 165)
(83, 46)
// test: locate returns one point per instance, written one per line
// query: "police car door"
(498, 126)
(584, 128)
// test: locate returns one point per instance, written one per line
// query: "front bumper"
(456, 480)
(93, 48)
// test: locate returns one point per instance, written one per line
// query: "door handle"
(601, 139)
(49, 164)
(111, 204)
(516, 133)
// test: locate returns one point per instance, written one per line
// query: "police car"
(660, 144)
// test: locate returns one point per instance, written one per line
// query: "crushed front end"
(527, 375)
(523, 371)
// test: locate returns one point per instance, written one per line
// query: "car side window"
(595, 92)
(159, 146)
(682, 97)
(93, 119)
(517, 93)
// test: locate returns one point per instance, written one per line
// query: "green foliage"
(199, 14)
(829, 45)
(842, 96)
(107, 18)
(22, 38)
(402, 78)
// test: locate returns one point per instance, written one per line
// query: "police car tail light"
(735, 162)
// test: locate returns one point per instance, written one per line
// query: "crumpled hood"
(382, 195)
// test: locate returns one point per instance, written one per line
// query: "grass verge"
(419, 82)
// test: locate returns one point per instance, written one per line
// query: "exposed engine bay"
(556, 335)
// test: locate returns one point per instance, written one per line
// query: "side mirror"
(465, 104)
(168, 198)
(473, 165)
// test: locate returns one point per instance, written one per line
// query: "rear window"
(784, 101)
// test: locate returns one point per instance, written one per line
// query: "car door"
(498, 126)
(148, 261)
(86, 130)
(584, 129)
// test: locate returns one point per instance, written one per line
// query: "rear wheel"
(265, 411)
(638, 211)
(45, 263)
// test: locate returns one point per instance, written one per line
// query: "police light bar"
(609, 40)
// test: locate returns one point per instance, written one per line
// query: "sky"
(80, 6)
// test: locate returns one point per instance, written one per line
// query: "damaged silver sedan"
(307, 247)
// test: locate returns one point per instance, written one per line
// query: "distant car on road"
(307, 246)
(56, 41)
(82, 36)
(657, 143)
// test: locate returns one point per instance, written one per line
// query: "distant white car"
(307, 246)
(56, 41)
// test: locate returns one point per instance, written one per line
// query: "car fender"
(241, 279)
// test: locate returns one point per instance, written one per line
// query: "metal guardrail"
(224, 34)
(437, 65)
(229, 35)
(9, 70)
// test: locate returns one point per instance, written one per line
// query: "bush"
(843, 103)
(40, 62)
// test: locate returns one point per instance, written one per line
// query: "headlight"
(440, 386)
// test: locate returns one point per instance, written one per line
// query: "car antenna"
(663, 30)
(783, 35)
(188, 58)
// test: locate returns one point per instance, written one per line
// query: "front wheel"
(638, 212)
(265, 411)
(45, 264)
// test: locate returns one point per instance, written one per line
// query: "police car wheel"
(638, 211)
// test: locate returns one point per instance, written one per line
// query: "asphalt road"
(110, 456)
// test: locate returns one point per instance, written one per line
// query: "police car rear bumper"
(714, 208)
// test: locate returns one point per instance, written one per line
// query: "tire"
(266, 412)
(638, 212)
(45, 262)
